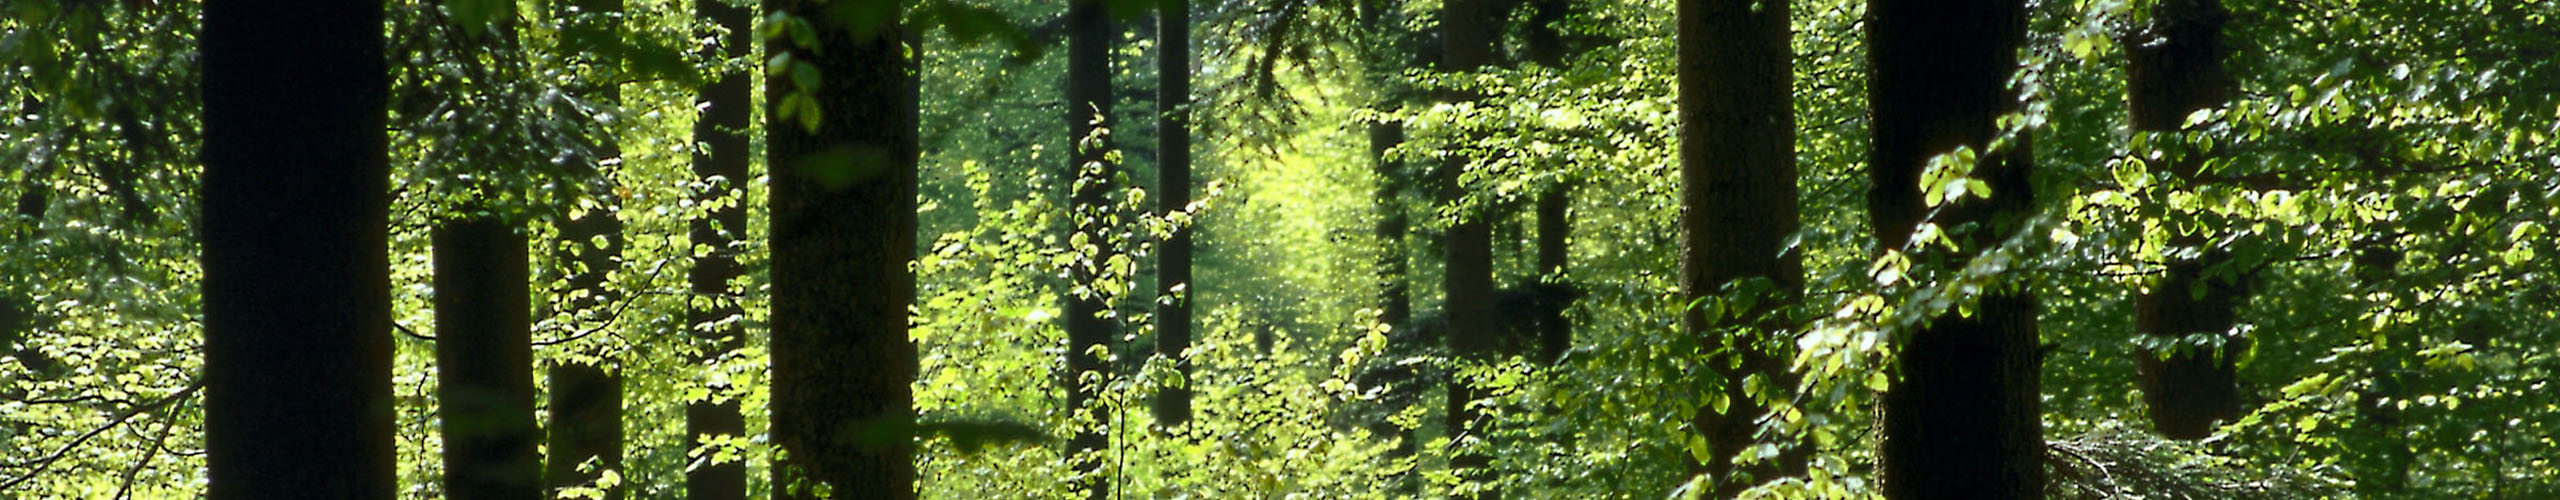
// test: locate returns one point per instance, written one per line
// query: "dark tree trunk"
(297, 286)
(721, 164)
(586, 398)
(484, 360)
(1963, 420)
(1089, 37)
(2176, 69)
(1555, 331)
(1467, 40)
(843, 228)
(1173, 150)
(586, 425)
(1738, 211)
(1395, 293)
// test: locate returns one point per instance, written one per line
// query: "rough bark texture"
(843, 213)
(2176, 69)
(720, 164)
(1962, 422)
(1738, 211)
(1467, 46)
(484, 360)
(1089, 38)
(297, 290)
(1173, 161)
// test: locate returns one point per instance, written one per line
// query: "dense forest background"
(716, 249)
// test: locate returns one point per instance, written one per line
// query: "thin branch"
(38, 467)
(159, 442)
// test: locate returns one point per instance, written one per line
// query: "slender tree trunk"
(1395, 292)
(586, 398)
(1738, 199)
(297, 280)
(1391, 53)
(1555, 229)
(484, 360)
(1173, 161)
(1089, 37)
(1963, 420)
(1467, 46)
(843, 214)
(1555, 329)
(2177, 70)
(721, 164)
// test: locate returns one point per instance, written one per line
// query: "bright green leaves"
(1946, 178)
(974, 24)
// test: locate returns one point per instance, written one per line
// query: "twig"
(38, 467)
(159, 441)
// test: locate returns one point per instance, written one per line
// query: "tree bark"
(1468, 277)
(484, 360)
(1963, 420)
(843, 213)
(1088, 92)
(721, 165)
(1738, 214)
(297, 290)
(2176, 69)
(1173, 161)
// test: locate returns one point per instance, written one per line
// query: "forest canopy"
(1336, 249)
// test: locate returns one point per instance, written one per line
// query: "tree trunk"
(1555, 331)
(1738, 199)
(1173, 161)
(586, 398)
(843, 229)
(1390, 54)
(1963, 420)
(721, 164)
(1468, 46)
(1395, 293)
(2176, 69)
(586, 425)
(484, 360)
(1089, 38)
(297, 286)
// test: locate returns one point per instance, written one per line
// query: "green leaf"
(475, 16)
(805, 76)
